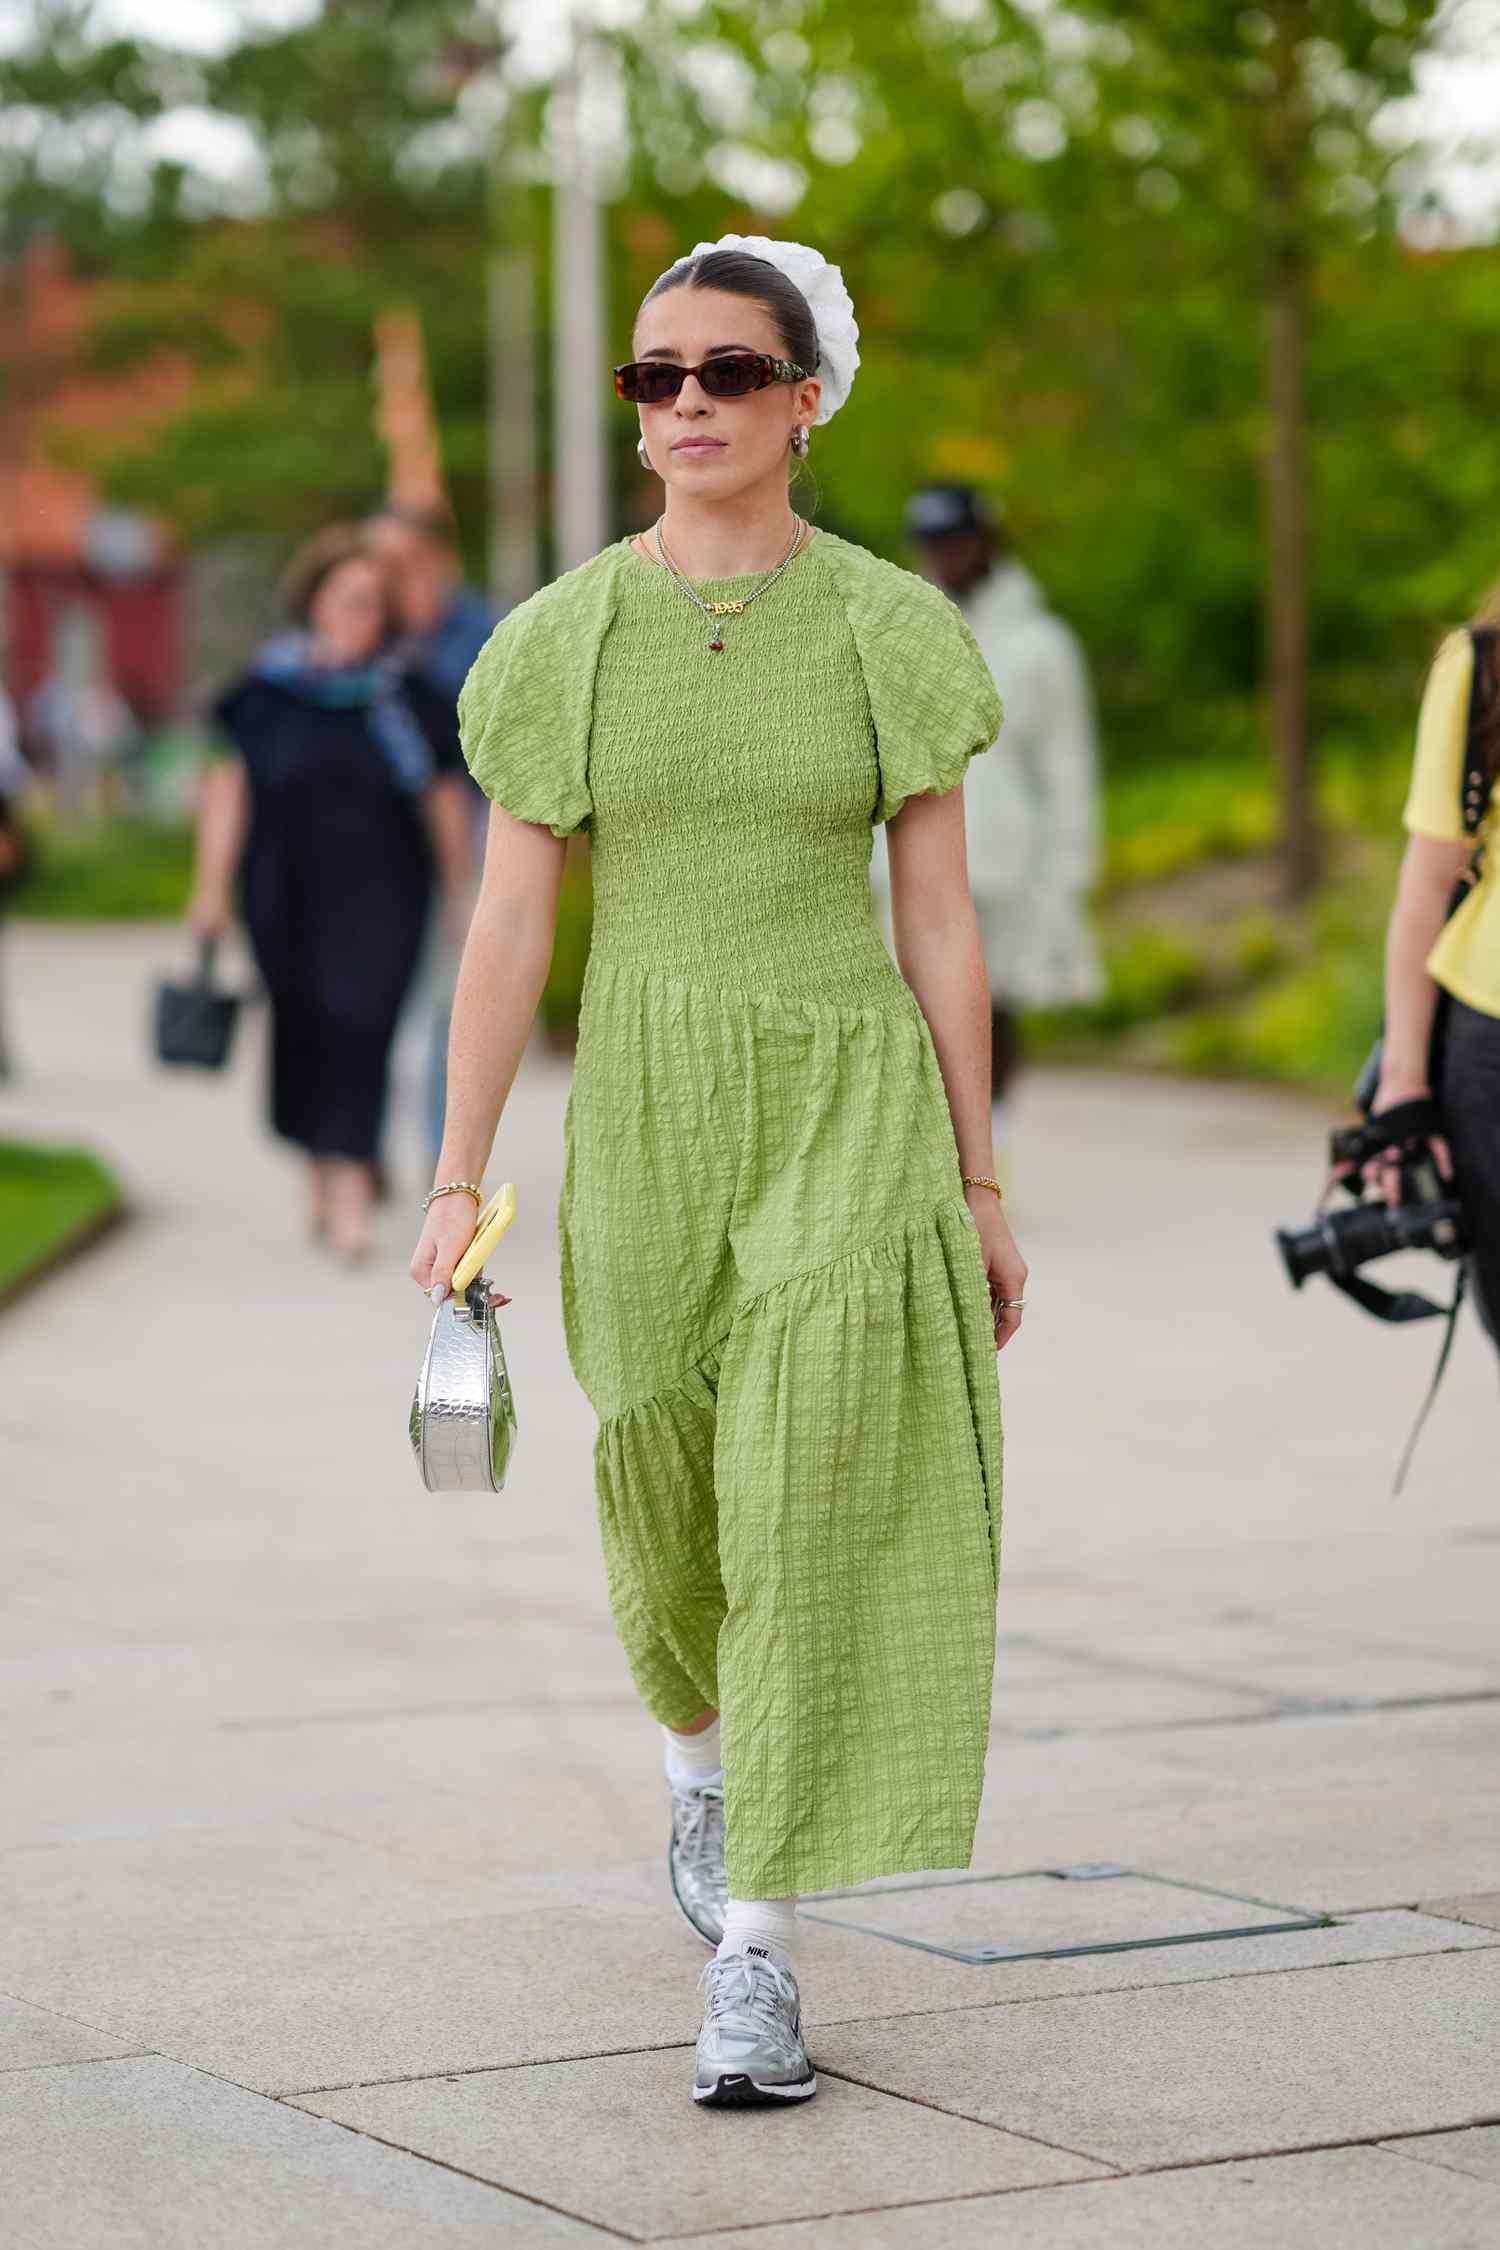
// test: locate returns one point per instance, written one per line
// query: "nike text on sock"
(766, 1926)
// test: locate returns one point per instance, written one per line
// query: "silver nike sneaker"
(695, 1858)
(750, 2051)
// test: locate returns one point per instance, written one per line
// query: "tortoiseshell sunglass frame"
(636, 378)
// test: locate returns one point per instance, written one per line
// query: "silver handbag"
(463, 1412)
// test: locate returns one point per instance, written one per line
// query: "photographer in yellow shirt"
(1429, 951)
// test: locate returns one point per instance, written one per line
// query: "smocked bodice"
(733, 793)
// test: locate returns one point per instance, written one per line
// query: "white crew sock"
(768, 1924)
(694, 1758)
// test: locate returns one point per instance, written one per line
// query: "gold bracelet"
(974, 1179)
(457, 1187)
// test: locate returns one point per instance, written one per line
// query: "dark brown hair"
(1487, 680)
(315, 562)
(739, 273)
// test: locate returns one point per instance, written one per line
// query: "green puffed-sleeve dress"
(773, 1289)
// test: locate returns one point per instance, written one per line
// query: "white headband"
(828, 300)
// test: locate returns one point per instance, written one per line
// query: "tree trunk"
(1284, 471)
(1286, 584)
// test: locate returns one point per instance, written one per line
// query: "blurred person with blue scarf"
(445, 623)
(340, 812)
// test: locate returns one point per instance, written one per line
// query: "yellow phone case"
(490, 1225)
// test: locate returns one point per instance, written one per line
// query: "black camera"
(1427, 1217)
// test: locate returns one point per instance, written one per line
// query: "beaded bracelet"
(974, 1179)
(457, 1187)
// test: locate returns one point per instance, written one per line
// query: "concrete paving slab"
(1334, 2199)
(618, 2140)
(563, 1967)
(375, 1666)
(575, 1969)
(1347, 1809)
(131, 1780)
(1482, 1907)
(1475, 2151)
(1193, 2073)
(1101, 1700)
(1425, 1593)
(1278, 1659)
(66, 1906)
(1346, 1850)
(144, 2155)
(32, 2036)
(1435, 1747)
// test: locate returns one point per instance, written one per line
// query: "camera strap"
(1395, 1305)
(1437, 1376)
(1400, 1305)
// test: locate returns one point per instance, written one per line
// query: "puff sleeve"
(933, 699)
(525, 712)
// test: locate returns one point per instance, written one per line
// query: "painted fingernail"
(438, 1292)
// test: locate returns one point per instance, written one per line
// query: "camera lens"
(1302, 1252)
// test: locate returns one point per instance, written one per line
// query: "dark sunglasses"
(651, 382)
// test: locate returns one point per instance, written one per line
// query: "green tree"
(1283, 100)
(1103, 192)
(371, 192)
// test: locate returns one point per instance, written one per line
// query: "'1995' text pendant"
(716, 633)
(715, 610)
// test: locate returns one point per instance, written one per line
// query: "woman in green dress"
(785, 1264)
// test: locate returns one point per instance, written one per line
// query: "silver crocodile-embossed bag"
(463, 1413)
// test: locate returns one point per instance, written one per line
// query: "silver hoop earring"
(641, 454)
(800, 440)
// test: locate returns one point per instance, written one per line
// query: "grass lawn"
(107, 870)
(48, 1198)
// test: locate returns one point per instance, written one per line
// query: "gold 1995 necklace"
(714, 611)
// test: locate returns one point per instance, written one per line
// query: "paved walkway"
(331, 1900)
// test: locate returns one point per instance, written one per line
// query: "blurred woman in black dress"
(342, 807)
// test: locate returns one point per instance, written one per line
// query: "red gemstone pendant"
(716, 644)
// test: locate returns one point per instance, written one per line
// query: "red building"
(74, 573)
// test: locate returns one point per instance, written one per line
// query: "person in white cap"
(786, 1268)
(1032, 810)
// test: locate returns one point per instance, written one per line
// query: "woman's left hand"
(1004, 1264)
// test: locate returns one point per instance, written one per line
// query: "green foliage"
(50, 1198)
(1161, 820)
(1055, 224)
(126, 868)
(1311, 1027)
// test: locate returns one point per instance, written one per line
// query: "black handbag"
(193, 1023)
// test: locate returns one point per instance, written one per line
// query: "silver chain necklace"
(714, 611)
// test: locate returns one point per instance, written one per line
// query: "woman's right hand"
(1383, 1172)
(210, 914)
(447, 1231)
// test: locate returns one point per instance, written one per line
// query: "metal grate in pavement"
(1051, 1913)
